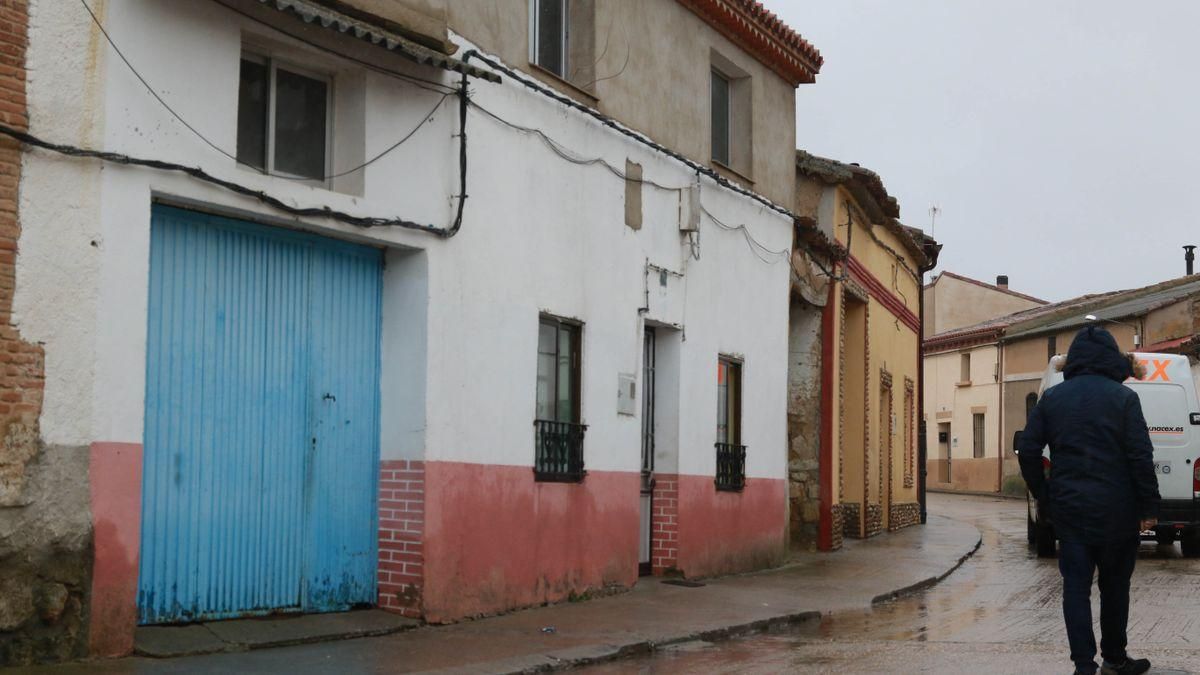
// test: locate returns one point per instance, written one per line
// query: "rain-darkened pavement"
(998, 613)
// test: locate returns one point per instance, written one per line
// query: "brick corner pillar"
(401, 536)
(664, 525)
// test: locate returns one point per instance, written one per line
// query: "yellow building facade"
(871, 366)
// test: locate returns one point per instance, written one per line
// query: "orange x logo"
(1159, 372)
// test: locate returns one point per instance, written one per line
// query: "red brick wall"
(664, 524)
(21, 363)
(401, 534)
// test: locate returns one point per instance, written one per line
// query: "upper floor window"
(730, 102)
(550, 35)
(283, 119)
(562, 39)
(1051, 347)
(964, 367)
(720, 118)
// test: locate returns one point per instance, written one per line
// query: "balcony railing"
(559, 451)
(731, 467)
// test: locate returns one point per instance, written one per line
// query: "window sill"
(552, 79)
(965, 383)
(731, 173)
(731, 488)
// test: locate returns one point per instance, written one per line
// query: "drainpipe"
(1000, 419)
(825, 459)
(932, 249)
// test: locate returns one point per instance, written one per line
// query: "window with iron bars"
(731, 454)
(558, 445)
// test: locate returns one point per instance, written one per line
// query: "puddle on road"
(999, 612)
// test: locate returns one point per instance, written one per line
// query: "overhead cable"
(621, 129)
(214, 146)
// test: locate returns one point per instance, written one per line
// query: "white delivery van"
(1169, 403)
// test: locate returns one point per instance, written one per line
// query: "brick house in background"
(983, 379)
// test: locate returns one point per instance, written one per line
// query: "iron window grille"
(731, 467)
(558, 445)
(559, 451)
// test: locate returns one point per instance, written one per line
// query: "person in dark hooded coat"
(1101, 493)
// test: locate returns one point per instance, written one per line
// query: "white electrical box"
(689, 209)
(626, 394)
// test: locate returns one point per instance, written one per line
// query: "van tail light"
(1196, 476)
(1046, 466)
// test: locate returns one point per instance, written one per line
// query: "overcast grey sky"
(1058, 138)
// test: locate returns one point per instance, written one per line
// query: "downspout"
(825, 458)
(1000, 419)
(931, 250)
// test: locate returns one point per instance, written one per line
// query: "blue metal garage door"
(262, 421)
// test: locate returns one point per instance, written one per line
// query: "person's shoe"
(1129, 667)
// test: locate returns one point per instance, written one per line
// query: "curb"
(596, 654)
(970, 493)
(587, 655)
(931, 581)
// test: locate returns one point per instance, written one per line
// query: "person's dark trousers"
(1077, 562)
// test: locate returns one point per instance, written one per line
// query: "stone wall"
(45, 538)
(804, 425)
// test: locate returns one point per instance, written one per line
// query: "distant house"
(984, 378)
(954, 301)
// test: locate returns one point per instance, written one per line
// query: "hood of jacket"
(1094, 351)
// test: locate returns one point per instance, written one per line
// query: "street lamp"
(1137, 339)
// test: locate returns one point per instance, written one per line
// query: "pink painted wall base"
(498, 540)
(115, 474)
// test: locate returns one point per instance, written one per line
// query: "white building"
(284, 410)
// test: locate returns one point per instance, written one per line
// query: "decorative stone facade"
(835, 513)
(904, 515)
(851, 515)
(874, 524)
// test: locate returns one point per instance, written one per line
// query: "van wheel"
(1046, 544)
(1189, 541)
(1165, 536)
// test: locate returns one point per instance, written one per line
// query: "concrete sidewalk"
(653, 614)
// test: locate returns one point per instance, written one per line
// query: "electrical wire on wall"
(202, 175)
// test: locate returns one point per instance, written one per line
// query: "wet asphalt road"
(998, 613)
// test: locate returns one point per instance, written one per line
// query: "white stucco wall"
(461, 315)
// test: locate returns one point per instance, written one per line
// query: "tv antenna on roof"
(933, 213)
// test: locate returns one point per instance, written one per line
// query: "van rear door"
(1166, 407)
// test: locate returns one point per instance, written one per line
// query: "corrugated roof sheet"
(310, 12)
(1124, 304)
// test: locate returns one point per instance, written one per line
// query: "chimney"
(1189, 257)
(1002, 280)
